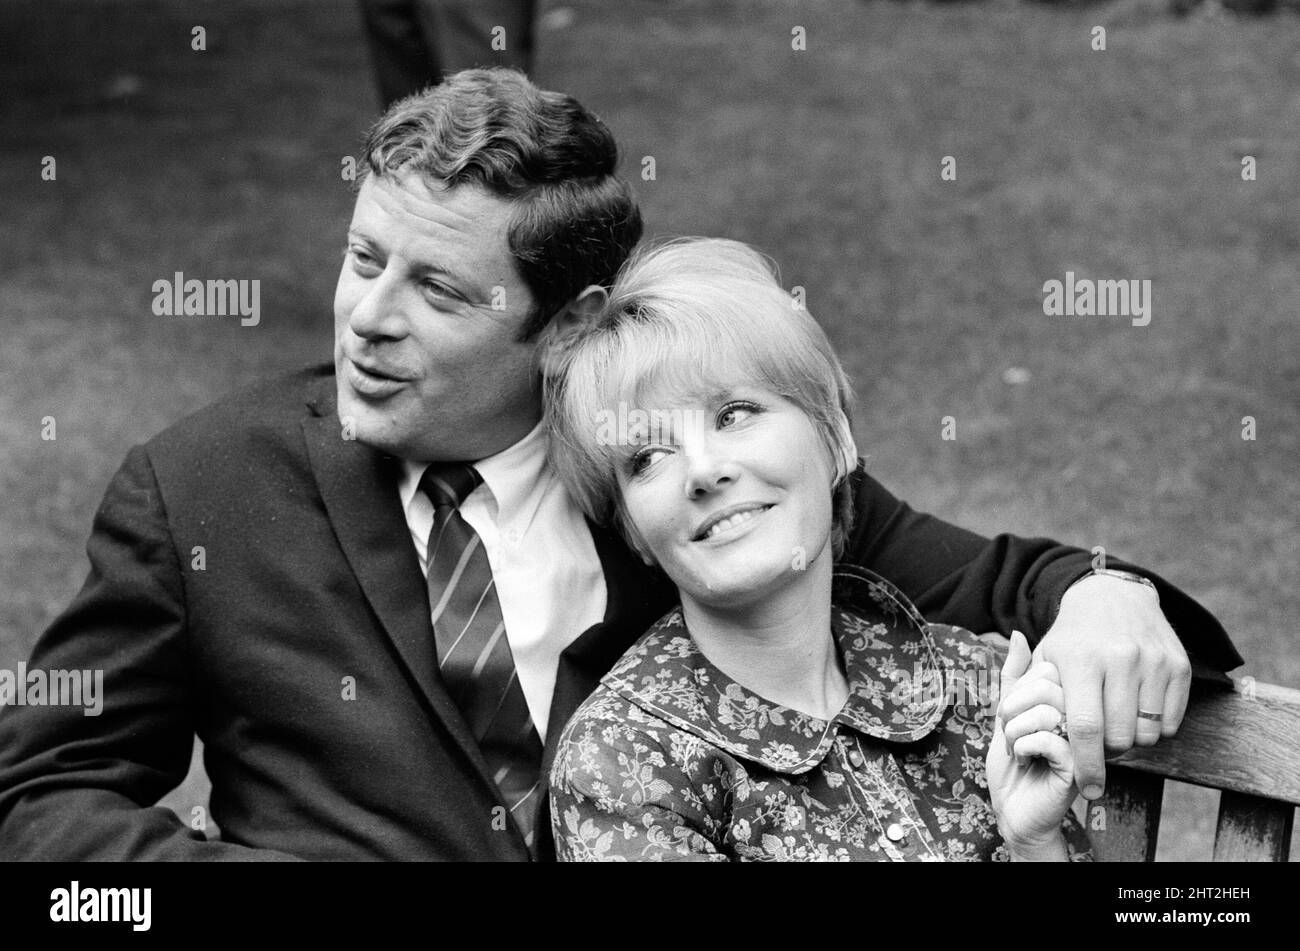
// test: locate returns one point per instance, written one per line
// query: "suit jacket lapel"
(359, 488)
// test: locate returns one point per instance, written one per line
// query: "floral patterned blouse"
(671, 759)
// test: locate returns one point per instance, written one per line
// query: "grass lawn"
(1117, 164)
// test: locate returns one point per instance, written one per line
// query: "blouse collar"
(879, 633)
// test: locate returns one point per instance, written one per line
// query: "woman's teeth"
(732, 520)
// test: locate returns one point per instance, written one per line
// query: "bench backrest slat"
(1123, 824)
(1252, 829)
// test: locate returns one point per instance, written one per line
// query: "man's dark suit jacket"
(309, 577)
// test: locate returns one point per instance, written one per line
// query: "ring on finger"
(1060, 729)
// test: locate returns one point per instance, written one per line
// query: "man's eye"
(363, 258)
(437, 289)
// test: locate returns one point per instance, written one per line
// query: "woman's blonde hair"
(687, 313)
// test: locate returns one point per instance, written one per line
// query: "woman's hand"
(1030, 769)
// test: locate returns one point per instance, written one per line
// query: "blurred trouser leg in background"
(413, 43)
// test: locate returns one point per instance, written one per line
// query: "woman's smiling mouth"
(730, 518)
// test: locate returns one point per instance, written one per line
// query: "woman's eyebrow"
(711, 394)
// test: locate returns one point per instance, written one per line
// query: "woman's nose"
(708, 469)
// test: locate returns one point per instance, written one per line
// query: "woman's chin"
(748, 581)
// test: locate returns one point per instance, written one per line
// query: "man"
(377, 642)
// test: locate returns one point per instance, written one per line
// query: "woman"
(788, 709)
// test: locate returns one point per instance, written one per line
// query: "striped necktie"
(473, 652)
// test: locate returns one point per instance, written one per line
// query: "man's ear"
(582, 309)
(566, 325)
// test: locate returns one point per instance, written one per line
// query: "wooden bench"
(1244, 742)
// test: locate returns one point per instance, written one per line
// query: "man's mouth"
(374, 381)
(379, 370)
(733, 516)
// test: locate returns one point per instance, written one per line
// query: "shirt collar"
(880, 635)
(512, 476)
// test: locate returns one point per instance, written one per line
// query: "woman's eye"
(643, 458)
(734, 413)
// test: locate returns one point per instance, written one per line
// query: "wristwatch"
(1125, 575)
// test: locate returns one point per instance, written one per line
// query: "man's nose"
(379, 312)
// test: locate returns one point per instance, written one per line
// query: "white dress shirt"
(548, 576)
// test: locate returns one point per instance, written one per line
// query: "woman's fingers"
(1029, 692)
(1042, 717)
(1050, 747)
(1017, 662)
